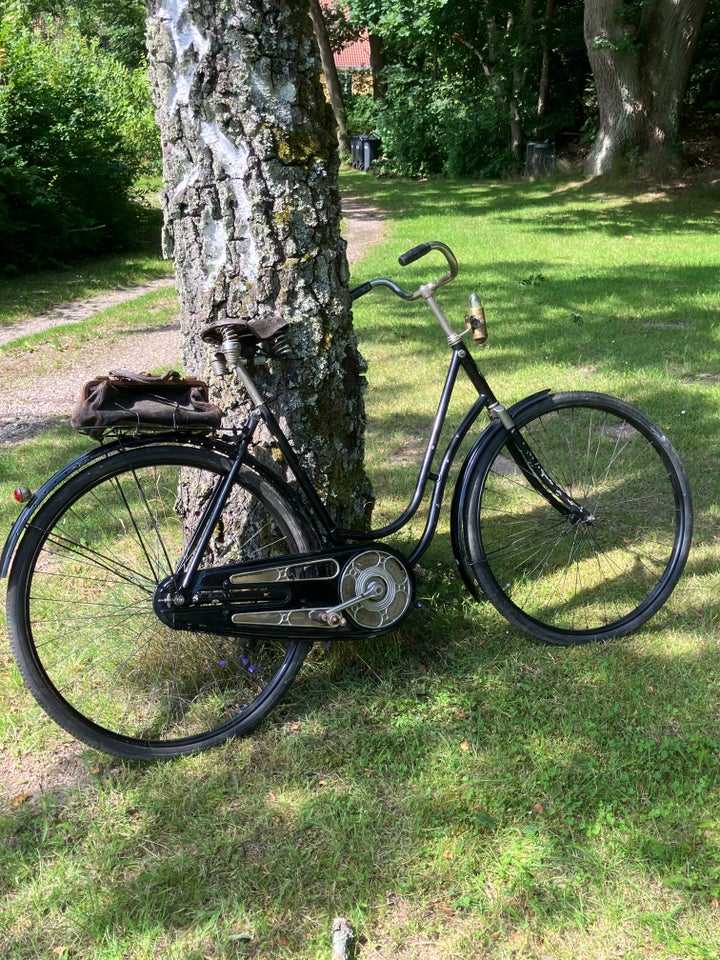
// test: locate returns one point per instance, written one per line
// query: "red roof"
(355, 55)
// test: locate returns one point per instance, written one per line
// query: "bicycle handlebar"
(410, 257)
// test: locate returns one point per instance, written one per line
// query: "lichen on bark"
(252, 216)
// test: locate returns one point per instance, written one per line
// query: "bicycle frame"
(338, 536)
(460, 359)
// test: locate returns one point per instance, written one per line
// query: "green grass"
(57, 346)
(456, 789)
(29, 294)
(40, 292)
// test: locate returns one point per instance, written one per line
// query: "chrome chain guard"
(340, 593)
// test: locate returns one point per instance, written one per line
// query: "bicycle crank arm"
(333, 616)
(346, 592)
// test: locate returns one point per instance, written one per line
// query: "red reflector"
(22, 494)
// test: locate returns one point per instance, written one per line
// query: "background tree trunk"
(640, 71)
(252, 214)
(331, 75)
(544, 82)
(377, 65)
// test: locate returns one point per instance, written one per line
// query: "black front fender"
(459, 517)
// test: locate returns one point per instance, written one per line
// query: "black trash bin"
(356, 152)
(371, 150)
(361, 151)
(539, 159)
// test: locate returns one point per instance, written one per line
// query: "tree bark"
(377, 65)
(544, 83)
(640, 71)
(252, 214)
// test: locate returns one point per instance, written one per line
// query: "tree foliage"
(117, 25)
(469, 82)
(463, 79)
(75, 131)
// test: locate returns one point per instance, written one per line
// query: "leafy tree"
(70, 143)
(118, 27)
(467, 83)
(703, 93)
(488, 75)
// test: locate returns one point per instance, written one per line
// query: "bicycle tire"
(80, 607)
(569, 582)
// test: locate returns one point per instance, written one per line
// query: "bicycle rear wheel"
(570, 581)
(80, 606)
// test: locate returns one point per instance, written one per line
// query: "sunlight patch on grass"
(455, 788)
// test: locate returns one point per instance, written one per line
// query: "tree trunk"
(640, 72)
(377, 65)
(544, 83)
(518, 75)
(331, 75)
(252, 214)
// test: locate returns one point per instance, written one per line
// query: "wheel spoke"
(602, 573)
(81, 616)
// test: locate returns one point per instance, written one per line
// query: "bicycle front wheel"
(568, 579)
(80, 605)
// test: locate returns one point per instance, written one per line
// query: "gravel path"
(33, 403)
(79, 310)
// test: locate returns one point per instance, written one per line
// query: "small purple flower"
(223, 663)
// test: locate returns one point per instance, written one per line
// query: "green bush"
(38, 226)
(433, 127)
(409, 123)
(73, 139)
(361, 114)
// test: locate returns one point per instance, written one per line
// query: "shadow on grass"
(617, 210)
(485, 779)
(454, 762)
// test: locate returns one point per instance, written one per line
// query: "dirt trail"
(79, 310)
(32, 403)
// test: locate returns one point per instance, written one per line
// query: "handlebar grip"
(360, 291)
(412, 255)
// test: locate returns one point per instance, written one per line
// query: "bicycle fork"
(523, 455)
(543, 483)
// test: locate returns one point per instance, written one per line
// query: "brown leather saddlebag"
(141, 402)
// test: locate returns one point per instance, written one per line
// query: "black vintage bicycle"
(147, 627)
